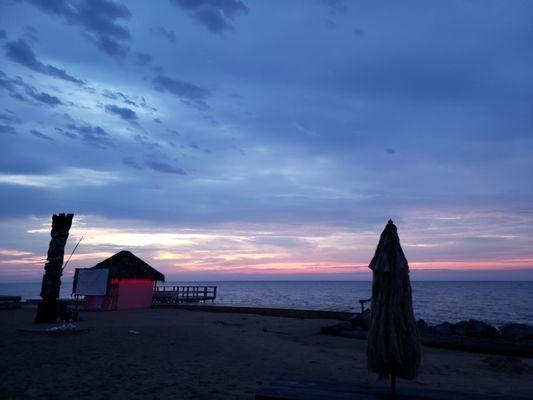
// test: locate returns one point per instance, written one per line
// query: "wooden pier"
(184, 294)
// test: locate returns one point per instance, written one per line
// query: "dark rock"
(360, 321)
(461, 328)
(421, 324)
(475, 328)
(470, 328)
(444, 329)
(517, 331)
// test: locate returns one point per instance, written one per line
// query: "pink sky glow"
(441, 247)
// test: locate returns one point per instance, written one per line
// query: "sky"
(240, 139)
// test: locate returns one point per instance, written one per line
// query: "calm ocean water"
(493, 302)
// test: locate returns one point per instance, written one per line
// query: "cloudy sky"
(240, 139)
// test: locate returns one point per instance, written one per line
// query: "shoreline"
(497, 302)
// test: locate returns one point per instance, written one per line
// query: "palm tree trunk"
(47, 308)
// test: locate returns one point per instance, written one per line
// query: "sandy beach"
(184, 354)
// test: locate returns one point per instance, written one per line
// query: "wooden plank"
(183, 294)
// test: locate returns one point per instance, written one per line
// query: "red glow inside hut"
(122, 281)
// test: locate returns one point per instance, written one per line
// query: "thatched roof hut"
(122, 281)
(126, 265)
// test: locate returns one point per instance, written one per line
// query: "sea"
(434, 301)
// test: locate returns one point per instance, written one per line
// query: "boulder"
(517, 331)
(470, 328)
(475, 328)
(444, 329)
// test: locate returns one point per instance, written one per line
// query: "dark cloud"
(41, 135)
(164, 167)
(111, 47)
(68, 117)
(188, 93)
(132, 163)
(143, 104)
(157, 120)
(390, 151)
(31, 34)
(20, 90)
(109, 94)
(20, 52)
(126, 99)
(336, 6)
(7, 129)
(10, 118)
(216, 15)
(43, 97)
(123, 112)
(65, 133)
(166, 33)
(143, 58)
(92, 134)
(145, 141)
(101, 20)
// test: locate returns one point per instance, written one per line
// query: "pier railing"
(184, 294)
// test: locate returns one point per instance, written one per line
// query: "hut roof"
(125, 264)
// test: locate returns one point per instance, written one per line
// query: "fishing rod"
(75, 247)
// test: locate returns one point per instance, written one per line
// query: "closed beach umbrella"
(393, 347)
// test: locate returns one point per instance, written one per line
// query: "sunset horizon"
(272, 252)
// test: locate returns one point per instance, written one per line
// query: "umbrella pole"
(393, 384)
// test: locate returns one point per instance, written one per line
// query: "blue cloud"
(188, 93)
(91, 134)
(20, 52)
(168, 34)
(123, 112)
(40, 135)
(20, 90)
(143, 58)
(336, 6)
(10, 117)
(100, 19)
(164, 167)
(215, 15)
(7, 129)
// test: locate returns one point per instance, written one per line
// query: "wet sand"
(182, 354)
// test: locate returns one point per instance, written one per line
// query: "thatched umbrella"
(393, 348)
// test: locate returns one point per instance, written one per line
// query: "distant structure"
(122, 281)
